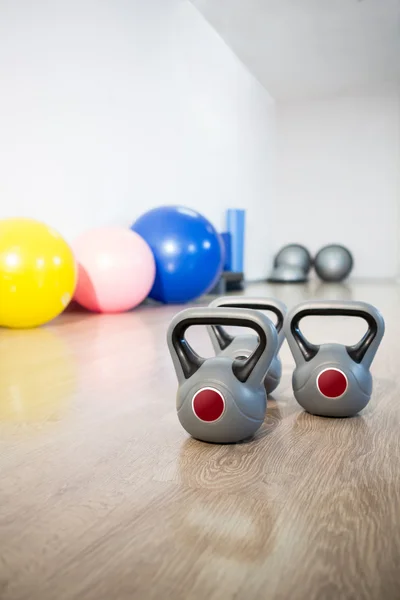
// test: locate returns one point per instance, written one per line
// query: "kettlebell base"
(270, 384)
(240, 440)
(340, 409)
(331, 409)
(338, 416)
(227, 437)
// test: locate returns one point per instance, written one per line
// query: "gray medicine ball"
(295, 256)
(333, 263)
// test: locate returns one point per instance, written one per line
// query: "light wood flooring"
(103, 496)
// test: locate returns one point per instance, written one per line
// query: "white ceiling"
(302, 49)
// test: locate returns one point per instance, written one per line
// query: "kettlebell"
(221, 399)
(243, 345)
(333, 380)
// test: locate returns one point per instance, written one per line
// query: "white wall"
(110, 108)
(339, 178)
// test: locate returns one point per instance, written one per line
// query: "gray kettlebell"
(221, 399)
(333, 380)
(243, 345)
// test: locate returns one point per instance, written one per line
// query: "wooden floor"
(103, 496)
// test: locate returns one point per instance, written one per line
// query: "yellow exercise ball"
(38, 273)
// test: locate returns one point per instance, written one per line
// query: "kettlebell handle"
(362, 352)
(224, 339)
(190, 361)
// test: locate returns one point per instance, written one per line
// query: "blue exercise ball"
(187, 249)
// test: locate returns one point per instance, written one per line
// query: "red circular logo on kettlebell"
(332, 383)
(208, 405)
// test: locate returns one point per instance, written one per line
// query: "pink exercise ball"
(116, 269)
